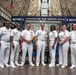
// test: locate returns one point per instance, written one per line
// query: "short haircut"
(52, 26)
(42, 22)
(17, 23)
(72, 25)
(27, 23)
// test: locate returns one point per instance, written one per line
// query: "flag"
(21, 23)
(65, 20)
(11, 7)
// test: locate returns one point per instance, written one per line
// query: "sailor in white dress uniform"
(41, 38)
(16, 45)
(52, 45)
(63, 47)
(27, 36)
(73, 46)
(5, 33)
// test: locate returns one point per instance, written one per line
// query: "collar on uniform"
(17, 29)
(6, 28)
(41, 29)
(64, 30)
(53, 30)
(27, 30)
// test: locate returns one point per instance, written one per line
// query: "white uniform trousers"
(63, 53)
(73, 54)
(5, 49)
(52, 54)
(0, 55)
(14, 53)
(27, 47)
(60, 55)
(40, 50)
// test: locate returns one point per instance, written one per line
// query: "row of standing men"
(64, 38)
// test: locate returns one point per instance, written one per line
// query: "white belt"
(51, 40)
(41, 40)
(73, 42)
(16, 40)
(61, 40)
(5, 40)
